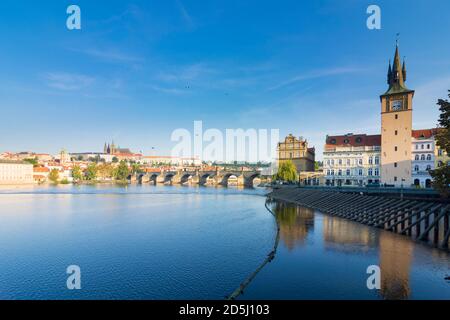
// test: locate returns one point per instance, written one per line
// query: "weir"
(424, 220)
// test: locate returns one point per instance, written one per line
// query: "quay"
(422, 217)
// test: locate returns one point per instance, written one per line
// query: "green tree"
(77, 174)
(33, 161)
(122, 171)
(136, 168)
(286, 172)
(91, 172)
(53, 176)
(441, 175)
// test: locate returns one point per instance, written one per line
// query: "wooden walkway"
(419, 219)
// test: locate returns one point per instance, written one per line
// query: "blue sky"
(140, 69)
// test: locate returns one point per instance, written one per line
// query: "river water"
(146, 242)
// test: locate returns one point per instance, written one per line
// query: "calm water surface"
(145, 242)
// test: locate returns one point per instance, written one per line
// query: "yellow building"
(297, 151)
(396, 127)
(441, 157)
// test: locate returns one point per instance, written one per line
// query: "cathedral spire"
(396, 74)
(389, 75)
(404, 69)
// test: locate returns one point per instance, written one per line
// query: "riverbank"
(423, 220)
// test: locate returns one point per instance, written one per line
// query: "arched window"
(417, 157)
(416, 168)
(428, 167)
(428, 157)
(422, 157)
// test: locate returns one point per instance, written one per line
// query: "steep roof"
(424, 133)
(353, 140)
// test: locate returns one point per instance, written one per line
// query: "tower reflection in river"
(295, 223)
(394, 252)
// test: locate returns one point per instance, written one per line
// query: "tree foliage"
(122, 171)
(77, 174)
(91, 172)
(287, 172)
(441, 175)
(53, 176)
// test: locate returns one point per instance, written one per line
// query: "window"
(395, 178)
(395, 164)
(428, 146)
(396, 148)
(348, 172)
(360, 161)
(328, 172)
(440, 152)
(416, 168)
(377, 172)
(348, 162)
(332, 162)
(332, 172)
(417, 147)
(358, 140)
(360, 172)
(417, 158)
(396, 116)
(377, 160)
(340, 172)
(428, 157)
(396, 132)
(340, 162)
(428, 167)
(370, 172)
(422, 146)
(346, 141)
(422, 157)
(370, 160)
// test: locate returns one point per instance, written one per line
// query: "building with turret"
(396, 126)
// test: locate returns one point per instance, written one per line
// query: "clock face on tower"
(396, 105)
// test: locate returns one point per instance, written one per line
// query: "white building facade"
(15, 172)
(423, 152)
(352, 160)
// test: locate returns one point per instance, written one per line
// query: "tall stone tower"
(396, 126)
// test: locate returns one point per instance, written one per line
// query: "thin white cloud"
(68, 81)
(317, 74)
(185, 15)
(111, 55)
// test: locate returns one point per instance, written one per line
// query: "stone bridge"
(200, 177)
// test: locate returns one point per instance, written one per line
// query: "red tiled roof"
(41, 169)
(354, 140)
(424, 133)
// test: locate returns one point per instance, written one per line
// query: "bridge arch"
(226, 177)
(204, 178)
(249, 180)
(185, 178)
(168, 178)
(153, 178)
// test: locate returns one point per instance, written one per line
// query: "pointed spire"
(389, 75)
(404, 69)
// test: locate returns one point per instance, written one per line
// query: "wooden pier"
(421, 219)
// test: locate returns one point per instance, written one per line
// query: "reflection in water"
(395, 260)
(395, 253)
(295, 223)
(344, 235)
